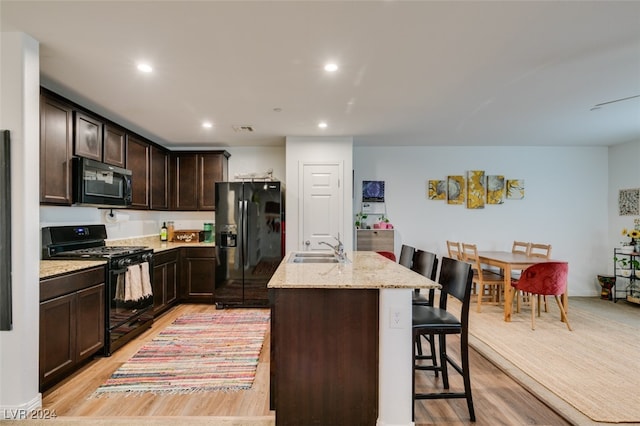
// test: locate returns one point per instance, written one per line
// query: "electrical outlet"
(396, 317)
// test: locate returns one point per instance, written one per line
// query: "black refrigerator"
(249, 241)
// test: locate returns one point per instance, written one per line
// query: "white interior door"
(321, 206)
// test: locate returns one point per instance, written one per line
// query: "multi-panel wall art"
(477, 189)
(455, 189)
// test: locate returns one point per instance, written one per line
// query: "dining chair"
(488, 283)
(455, 278)
(520, 247)
(454, 249)
(545, 279)
(535, 250)
(406, 255)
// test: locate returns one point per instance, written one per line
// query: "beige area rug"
(595, 368)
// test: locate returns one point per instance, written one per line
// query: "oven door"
(130, 294)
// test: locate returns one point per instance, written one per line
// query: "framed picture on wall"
(455, 189)
(629, 202)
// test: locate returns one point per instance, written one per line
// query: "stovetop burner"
(103, 251)
(82, 242)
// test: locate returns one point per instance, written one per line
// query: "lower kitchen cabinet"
(197, 267)
(324, 353)
(72, 322)
(165, 280)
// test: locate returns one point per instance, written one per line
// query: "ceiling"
(410, 72)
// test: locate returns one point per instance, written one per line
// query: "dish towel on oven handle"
(146, 280)
(137, 283)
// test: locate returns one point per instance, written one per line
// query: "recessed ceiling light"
(144, 67)
(322, 125)
(207, 124)
(331, 67)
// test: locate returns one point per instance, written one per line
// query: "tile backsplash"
(123, 223)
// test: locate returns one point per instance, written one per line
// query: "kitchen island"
(341, 341)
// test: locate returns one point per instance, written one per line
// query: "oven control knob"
(124, 262)
(147, 257)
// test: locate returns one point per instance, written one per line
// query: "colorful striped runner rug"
(197, 353)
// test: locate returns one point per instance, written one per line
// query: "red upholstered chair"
(544, 279)
(388, 255)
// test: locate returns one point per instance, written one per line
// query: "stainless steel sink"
(313, 254)
(317, 259)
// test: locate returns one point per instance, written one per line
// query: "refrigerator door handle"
(245, 236)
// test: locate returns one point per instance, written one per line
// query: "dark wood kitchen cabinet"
(212, 168)
(138, 152)
(338, 366)
(72, 322)
(165, 280)
(114, 146)
(159, 179)
(87, 139)
(56, 145)
(197, 270)
(193, 176)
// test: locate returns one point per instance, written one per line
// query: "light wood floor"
(498, 400)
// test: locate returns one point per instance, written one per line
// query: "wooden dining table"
(508, 262)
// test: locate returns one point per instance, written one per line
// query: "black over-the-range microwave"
(100, 184)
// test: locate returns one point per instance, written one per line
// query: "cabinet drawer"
(65, 284)
(165, 257)
(375, 240)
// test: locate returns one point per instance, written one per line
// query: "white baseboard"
(28, 410)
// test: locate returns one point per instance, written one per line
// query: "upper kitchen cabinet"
(87, 141)
(159, 179)
(98, 140)
(212, 168)
(193, 176)
(114, 149)
(137, 157)
(56, 140)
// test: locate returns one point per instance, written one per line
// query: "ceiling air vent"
(242, 128)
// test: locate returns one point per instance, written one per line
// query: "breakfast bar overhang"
(341, 341)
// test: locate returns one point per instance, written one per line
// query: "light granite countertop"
(51, 268)
(365, 270)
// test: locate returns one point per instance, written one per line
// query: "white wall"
(19, 113)
(258, 160)
(565, 201)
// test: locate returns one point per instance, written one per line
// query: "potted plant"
(384, 222)
(360, 218)
(625, 264)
